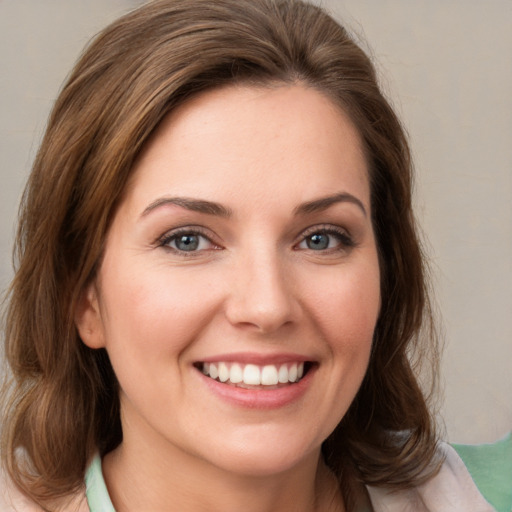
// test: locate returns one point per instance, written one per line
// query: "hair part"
(62, 403)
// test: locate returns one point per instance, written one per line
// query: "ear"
(88, 319)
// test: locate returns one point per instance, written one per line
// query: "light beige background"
(447, 66)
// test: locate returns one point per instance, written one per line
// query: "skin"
(256, 284)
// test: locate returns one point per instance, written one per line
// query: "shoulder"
(451, 490)
(13, 500)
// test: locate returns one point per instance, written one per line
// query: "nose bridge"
(262, 290)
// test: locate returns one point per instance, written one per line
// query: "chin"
(266, 455)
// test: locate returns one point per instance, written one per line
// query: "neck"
(170, 480)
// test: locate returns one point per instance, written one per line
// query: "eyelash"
(345, 240)
(169, 237)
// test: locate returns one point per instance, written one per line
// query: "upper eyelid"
(328, 228)
(196, 230)
(343, 235)
(200, 230)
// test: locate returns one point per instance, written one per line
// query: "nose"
(262, 294)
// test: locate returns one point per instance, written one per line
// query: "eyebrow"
(323, 203)
(212, 208)
(195, 205)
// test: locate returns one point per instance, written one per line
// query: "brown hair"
(62, 404)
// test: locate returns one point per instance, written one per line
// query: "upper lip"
(257, 358)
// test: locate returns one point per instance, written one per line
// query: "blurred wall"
(447, 67)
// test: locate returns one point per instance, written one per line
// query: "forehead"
(286, 139)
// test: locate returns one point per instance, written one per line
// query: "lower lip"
(260, 398)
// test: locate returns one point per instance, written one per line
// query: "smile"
(249, 375)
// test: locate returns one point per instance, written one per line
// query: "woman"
(220, 291)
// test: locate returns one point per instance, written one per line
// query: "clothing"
(490, 466)
(451, 490)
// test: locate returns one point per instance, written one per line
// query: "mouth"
(253, 376)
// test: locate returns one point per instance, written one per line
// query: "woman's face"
(239, 289)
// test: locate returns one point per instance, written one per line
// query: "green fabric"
(95, 488)
(490, 466)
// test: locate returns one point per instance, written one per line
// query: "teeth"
(254, 375)
(269, 375)
(283, 374)
(292, 373)
(214, 371)
(236, 374)
(223, 372)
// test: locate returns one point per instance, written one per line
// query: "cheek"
(154, 311)
(345, 314)
(150, 322)
(347, 307)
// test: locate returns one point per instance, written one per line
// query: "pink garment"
(451, 490)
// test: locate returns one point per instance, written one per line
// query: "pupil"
(187, 243)
(318, 241)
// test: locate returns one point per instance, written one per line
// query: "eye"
(318, 241)
(326, 239)
(187, 241)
